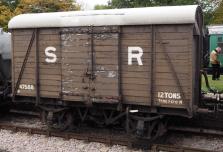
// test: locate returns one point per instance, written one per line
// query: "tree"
(207, 5)
(147, 3)
(12, 4)
(218, 15)
(101, 7)
(5, 16)
(10, 8)
(39, 6)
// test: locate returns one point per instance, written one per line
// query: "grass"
(214, 84)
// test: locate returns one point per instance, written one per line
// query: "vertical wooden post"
(37, 67)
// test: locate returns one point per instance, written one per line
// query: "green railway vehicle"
(216, 40)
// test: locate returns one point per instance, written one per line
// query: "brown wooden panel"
(49, 31)
(169, 76)
(171, 89)
(168, 82)
(107, 42)
(135, 68)
(137, 93)
(174, 43)
(174, 28)
(136, 36)
(172, 49)
(22, 32)
(22, 39)
(135, 81)
(136, 29)
(145, 43)
(142, 74)
(75, 98)
(76, 61)
(41, 71)
(137, 87)
(52, 37)
(49, 75)
(75, 87)
(104, 93)
(136, 100)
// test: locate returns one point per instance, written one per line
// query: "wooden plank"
(75, 98)
(135, 68)
(49, 43)
(160, 88)
(32, 60)
(41, 71)
(23, 39)
(169, 76)
(182, 43)
(56, 83)
(104, 93)
(42, 77)
(174, 28)
(136, 93)
(42, 66)
(106, 80)
(127, 74)
(172, 82)
(136, 29)
(172, 36)
(135, 81)
(136, 42)
(172, 56)
(22, 44)
(50, 31)
(136, 36)
(173, 49)
(136, 100)
(18, 32)
(102, 86)
(168, 69)
(54, 37)
(77, 92)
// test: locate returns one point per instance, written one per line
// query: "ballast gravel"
(24, 142)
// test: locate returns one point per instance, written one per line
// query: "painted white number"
(135, 52)
(26, 87)
(170, 98)
(50, 53)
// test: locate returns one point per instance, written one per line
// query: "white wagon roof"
(216, 29)
(132, 16)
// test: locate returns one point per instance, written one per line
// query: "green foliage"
(39, 6)
(214, 84)
(218, 15)
(10, 8)
(5, 15)
(12, 4)
(147, 3)
(101, 7)
(207, 5)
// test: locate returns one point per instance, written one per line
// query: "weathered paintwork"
(153, 66)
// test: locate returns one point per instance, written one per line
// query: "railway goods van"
(124, 65)
(215, 34)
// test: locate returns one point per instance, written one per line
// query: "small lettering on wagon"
(169, 98)
(26, 87)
